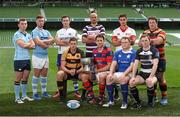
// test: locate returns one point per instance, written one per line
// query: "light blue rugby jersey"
(124, 59)
(42, 35)
(21, 53)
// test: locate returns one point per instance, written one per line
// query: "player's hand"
(110, 76)
(91, 36)
(72, 72)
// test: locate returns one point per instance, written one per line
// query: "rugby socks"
(155, 89)
(101, 90)
(116, 90)
(60, 89)
(163, 88)
(110, 92)
(124, 91)
(24, 88)
(83, 93)
(16, 89)
(43, 84)
(88, 86)
(150, 93)
(34, 84)
(135, 94)
(76, 85)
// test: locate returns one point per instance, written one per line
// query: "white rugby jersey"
(119, 33)
(65, 34)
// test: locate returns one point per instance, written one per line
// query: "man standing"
(62, 40)
(123, 31)
(158, 39)
(40, 60)
(88, 37)
(22, 66)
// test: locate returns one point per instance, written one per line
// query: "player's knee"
(132, 83)
(102, 80)
(149, 83)
(60, 75)
(123, 80)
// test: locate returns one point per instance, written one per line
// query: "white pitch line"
(42, 12)
(175, 35)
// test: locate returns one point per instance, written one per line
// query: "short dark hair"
(72, 39)
(145, 35)
(21, 19)
(100, 36)
(126, 38)
(65, 17)
(153, 18)
(122, 15)
(39, 17)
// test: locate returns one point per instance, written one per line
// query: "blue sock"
(43, 84)
(24, 87)
(110, 92)
(34, 84)
(124, 91)
(76, 85)
(16, 89)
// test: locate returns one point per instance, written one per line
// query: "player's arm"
(80, 70)
(88, 39)
(63, 62)
(135, 67)
(159, 40)
(32, 44)
(113, 67)
(39, 42)
(106, 68)
(22, 44)
(154, 68)
(129, 69)
(133, 39)
(116, 41)
(49, 41)
(61, 42)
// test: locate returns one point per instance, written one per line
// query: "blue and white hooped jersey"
(42, 35)
(124, 59)
(21, 53)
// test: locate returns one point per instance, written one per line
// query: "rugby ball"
(73, 104)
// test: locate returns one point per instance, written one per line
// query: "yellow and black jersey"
(73, 60)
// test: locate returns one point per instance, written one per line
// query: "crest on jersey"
(128, 56)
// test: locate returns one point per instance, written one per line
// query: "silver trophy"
(86, 64)
(89, 67)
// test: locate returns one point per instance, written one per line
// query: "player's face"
(125, 44)
(73, 45)
(40, 22)
(66, 22)
(22, 25)
(100, 42)
(152, 24)
(145, 42)
(93, 18)
(123, 21)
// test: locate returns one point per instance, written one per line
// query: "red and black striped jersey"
(154, 35)
(101, 59)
